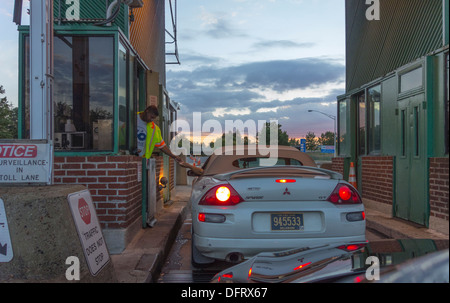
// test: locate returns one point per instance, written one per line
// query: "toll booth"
(109, 64)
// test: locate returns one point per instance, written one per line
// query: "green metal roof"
(406, 31)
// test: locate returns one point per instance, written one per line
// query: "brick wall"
(338, 165)
(439, 188)
(377, 178)
(112, 182)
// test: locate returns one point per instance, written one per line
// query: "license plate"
(291, 221)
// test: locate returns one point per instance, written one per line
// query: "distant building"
(393, 121)
(109, 63)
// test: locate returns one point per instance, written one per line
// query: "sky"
(260, 59)
(241, 60)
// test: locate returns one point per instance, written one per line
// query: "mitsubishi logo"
(286, 192)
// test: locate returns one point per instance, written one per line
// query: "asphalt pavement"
(144, 257)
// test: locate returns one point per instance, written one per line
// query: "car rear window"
(255, 162)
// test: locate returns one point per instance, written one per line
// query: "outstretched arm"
(168, 152)
(197, 170)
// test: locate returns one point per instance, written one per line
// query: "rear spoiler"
(293, 169)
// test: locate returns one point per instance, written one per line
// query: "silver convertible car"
(241, 208)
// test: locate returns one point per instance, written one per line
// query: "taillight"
(285, 180)
(227, 276)
(221, 195)
(352, 247)
(302, 266)
(344, 194)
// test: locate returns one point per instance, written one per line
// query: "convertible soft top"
(224, 160)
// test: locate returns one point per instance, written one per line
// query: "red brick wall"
(338, 165)
(112, 182)
(377, 178)
(439, 188)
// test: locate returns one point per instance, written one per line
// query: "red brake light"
(351, 247)
(286, 180)
(220, 195)
(344, 194)
(223, 193)
(302, 266)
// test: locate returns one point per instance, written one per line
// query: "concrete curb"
(143, 259)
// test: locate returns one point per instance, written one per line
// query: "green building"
(393, 121)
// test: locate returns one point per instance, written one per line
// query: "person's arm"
(197, 170)
(168, 152)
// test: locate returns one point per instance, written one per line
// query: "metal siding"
(147, 35)
(90, 12)
(406, 31)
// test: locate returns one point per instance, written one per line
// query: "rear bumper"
(219, 248)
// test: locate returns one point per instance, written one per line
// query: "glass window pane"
(416, 131)
(403, 134)
(411, 80)
(446, 105)
(344, 136)
(122, 97)
(132, 104)
(83, 93)
(362, 123)
(374, 125)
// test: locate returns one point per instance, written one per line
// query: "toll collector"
(149, 134)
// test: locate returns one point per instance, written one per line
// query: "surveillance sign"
(6, 252)
(89, 231)
(25, 162)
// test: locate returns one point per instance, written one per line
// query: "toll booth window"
(344, 142)
(374, 119)
(446, 106)
(83, 92)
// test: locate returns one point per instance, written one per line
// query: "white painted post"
(41, 74)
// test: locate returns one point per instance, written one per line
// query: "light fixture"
(162, 183)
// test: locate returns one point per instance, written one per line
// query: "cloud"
(279, 89)
(218, 26)
(277, 75)
(281, 44)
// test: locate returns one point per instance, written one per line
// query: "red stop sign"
(85, 213)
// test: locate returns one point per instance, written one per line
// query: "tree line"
(8, 118)
(9, 130)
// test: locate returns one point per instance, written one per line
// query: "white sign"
(89, 231)
(6, 252)
(25, 161)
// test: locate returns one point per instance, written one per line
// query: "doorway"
(411, 162)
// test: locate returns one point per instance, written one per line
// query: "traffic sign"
(303, 145)
(25, 161)
(327, 149)
(6, 252)
(89, 230)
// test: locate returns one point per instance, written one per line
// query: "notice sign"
(89, 231)
(6, 252)
(25, 161)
